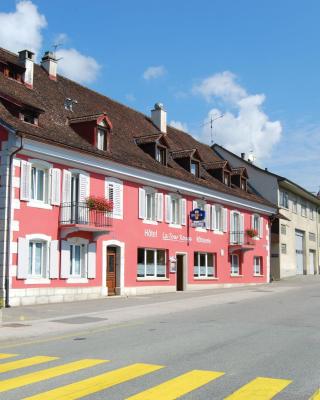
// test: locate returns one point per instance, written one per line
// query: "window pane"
(150, 262)
(218, 218)
(30, 257)
(38, 258)
(77, 260)
(33, 183)
(40, 185)
(195, 258)
(210, 259)
(140, 271)
(161, 257)
(210, 271)
(140, 256)
(202, 259)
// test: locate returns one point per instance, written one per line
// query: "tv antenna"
(211, 126)
(55, 48)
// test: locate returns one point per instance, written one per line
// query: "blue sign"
(197, 215)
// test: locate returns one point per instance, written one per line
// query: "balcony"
(241, 241)
(77, 216)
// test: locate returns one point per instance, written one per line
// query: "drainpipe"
(8, 238)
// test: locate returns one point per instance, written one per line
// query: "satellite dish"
(251, 157)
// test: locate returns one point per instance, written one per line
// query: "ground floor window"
(151, 263)
(37, 259)
(257, 265)
(204, 265)
(235, 264)
(78, 254)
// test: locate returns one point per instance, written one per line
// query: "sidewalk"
(56, 319)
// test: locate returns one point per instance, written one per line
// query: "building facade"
(65, 150)
(295, 233)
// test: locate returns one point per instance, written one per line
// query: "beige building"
(295, 231)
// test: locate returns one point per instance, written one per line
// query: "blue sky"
(257, 62)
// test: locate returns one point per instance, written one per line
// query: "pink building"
(62, 144)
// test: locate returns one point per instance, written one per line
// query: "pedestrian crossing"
(260, 388)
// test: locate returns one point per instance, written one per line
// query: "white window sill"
(236, 276)
(201, 229)
(217, 232)
(259, 275)
(39, 204)
(77, 280)
(177, 226)
(37, 281)
(117, 216)
(152, 279)
(150, 222)
(209, 278)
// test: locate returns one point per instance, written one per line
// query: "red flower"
(99, 204)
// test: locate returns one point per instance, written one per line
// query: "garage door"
(299, 252)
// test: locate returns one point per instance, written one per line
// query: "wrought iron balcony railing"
(78, 213)
(241, 238)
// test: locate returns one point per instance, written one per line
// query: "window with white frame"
(151, 263)
(204, 265)
(39, 184)
(257, 265)
(236, 227)
(303, 208)
(235, 264)
(294, 205)
(312, 213)
(283, 248)
(283, 229)
(78, 254)
(176, 209)
(312, 237)
(284, 199)
(150, 204)
(218, 221)
(114, 193)
(101, 138)
(256, 222)
(38, 264)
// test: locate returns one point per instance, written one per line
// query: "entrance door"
(180, 271)
(312, 262)
(299, 252)
(111, 271)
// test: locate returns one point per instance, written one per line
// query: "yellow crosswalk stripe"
(260, 389)
(177, 387)
(48, 373)
(3, 356)
(316, 395)
(97, 383)
(25, 362)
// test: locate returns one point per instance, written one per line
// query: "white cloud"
(76, 66)
(244, 126)
(22, 28)
(154, 72)
(179, 125)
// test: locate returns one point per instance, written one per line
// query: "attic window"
(194, 168)
(226, 179)
(161, 155)
(30, 117)
(101, 138)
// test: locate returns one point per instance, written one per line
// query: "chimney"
(159, 117)
(49, 63)
(26, 59)
(243, 155)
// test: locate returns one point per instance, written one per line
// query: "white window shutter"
(194, 205)
(23, 258)
(225, 220)
(168, 209)
(207, 208)
(241, 228)
(55, 174)
(142, 203)
(66, 186)
(252, 221)
(261, 227)
(84, 187)
(232, 233)
(25, 180)
(92, 249)
(183, 211)
(65, 259)
(54, 260)
(114, 192)
(213, 218)
(159, 202)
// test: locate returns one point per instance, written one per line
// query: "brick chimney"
(26, 59)
(159, 117)
(49, 63)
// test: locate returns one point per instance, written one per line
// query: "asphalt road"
(228, 338)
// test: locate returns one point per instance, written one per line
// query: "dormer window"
(30, 117)
(226, 179)
(161, 155)
(220, 170)
(101, 138)
(194, 168)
